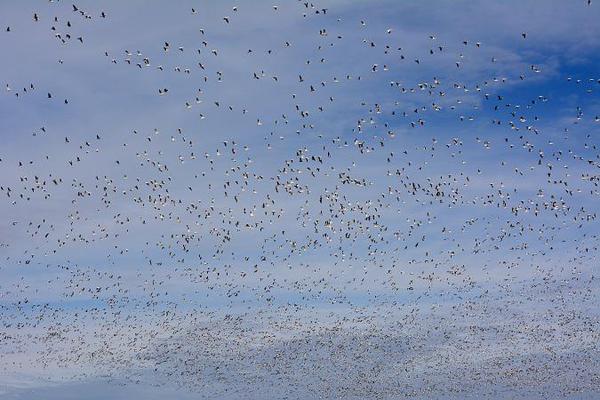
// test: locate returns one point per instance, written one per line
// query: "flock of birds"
(347, 211)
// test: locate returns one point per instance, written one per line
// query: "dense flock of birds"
(344, 211)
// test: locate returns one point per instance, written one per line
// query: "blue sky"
(383, 200)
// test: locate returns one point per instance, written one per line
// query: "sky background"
(381, 200)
